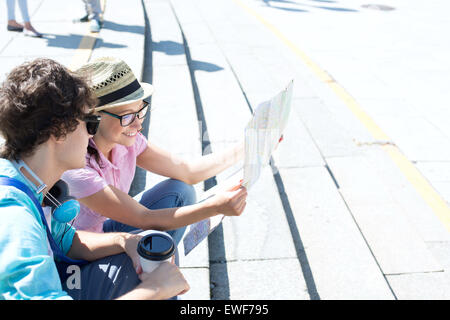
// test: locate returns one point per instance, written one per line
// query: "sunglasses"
(92, 122)
(128, 118)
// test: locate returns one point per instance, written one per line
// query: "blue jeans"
(104, 279)
(11, 7)
(93, 8)
(113, 276)
(169, 193)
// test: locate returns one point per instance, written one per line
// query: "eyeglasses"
(92, 122)
(128, 118)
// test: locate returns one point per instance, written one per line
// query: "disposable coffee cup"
(155, 248)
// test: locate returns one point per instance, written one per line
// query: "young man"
(46, 122)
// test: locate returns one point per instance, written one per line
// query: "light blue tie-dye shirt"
(27, 270)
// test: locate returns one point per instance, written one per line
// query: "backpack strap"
(57, 252)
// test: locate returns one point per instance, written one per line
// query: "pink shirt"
(119, 173)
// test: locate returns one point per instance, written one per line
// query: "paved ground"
(356, 202)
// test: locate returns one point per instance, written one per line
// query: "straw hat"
(114, 83)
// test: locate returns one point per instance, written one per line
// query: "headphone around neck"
(65, 208)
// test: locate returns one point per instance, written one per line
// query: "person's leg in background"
(84, 18)
(12, 25)
(29, 30)
(95, 12)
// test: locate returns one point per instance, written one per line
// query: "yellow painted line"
(421, 184)
(84, 51)
(412, 174)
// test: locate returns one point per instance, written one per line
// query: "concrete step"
(260, 239)
(332, 215)
(223, 39)
(173, 122)
(351, 274)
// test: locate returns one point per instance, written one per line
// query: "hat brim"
(144, 92)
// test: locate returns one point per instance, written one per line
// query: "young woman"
(46, 124)
(102, 186)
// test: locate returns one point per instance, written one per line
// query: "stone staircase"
(331, 217)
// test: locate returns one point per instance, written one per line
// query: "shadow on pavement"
(73, 41)
(275, 5)
(205, 66)
(174, 48)
(110, 25)
(170, 48)
(140, 177)
(298, 243)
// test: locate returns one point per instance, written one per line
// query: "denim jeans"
(11, 7)
(93, 8)
(113, 276)
(169, 193)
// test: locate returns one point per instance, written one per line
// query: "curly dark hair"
(39, 99)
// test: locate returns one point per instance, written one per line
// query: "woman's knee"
(169, 193)
(186, 191)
